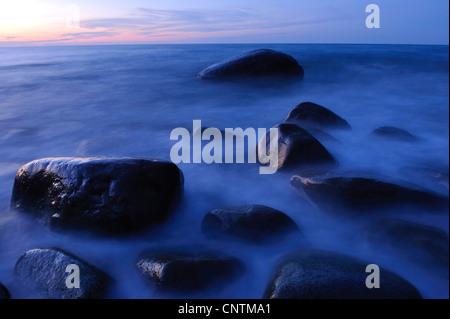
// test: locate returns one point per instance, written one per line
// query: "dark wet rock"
(4, 294)
(394, 133)
(297, 147)
(359, 195)
(254, 223)
(255, 63)
(184, 272)
(44, 271)
(326, 275)
(312, 115)
(108, 195)
(423, 245)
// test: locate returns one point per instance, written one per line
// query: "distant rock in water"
(43, 271)
(184, 272)
(296, 147)
(394, 133)
(312, 115)
(106, 195)
(4, 294)
(256, 223)
(360, 195)
(423, 245)
(309, 274)
(257, 63)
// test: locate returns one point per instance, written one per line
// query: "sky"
(61, 22)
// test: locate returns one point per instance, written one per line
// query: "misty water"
(126, 100)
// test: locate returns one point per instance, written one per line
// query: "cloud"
(87, 35)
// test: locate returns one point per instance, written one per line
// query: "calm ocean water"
(125, 100)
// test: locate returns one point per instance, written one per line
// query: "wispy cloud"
(88, 35)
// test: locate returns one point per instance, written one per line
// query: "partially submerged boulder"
(312, 115)
(47, 271)
(296, 147)
(309, 274)
(255, 63)
(394, 133)
(189, 272)
(255, 223)
(107, 195)
(359, 195)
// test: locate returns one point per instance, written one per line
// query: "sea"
(125, 100)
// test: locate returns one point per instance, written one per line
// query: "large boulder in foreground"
(255, 63)
(107, 195)
(394, 133)
(359, 195)
(4, 294)
(296, 147)
(423, 245)
(189, 272)
(256, 223)
(326, 275)
(45, 272)
(312, 115)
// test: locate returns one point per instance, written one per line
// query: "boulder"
(106, 195)
(359, 195)
(296, 147)
(312, 115)
(425, 246)
(254, 223)
(394, 133)
(186, 272)
(45, 272)
(325, 275)
(4, 294)
(255, 63)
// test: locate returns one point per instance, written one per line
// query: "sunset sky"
(53, 22)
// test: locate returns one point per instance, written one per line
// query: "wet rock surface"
(297, 148)
(44, 271)
(256, 223)
(106, 195)
(4, 294)
(183, 272)
(326, 275)
(256, 63)
(361, 195)
(312, 115)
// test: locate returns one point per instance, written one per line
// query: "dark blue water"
(125, 100)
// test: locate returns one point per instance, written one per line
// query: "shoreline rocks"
(187, 272)
(311, 115)
(256, 224)
(310, 274)
(359, 195)
(105, 195)
(44, 271)
(297, 147)
(4, 293)
(394, 133)
(256, 63)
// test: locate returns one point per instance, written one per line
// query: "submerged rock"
(254, 223)
(391, 132)
(45, 272)
(326, 275)
(4, 294)
(296, 147)
(357, 194)
(312, 115)
(108, 195)
(423, 245)
(255, 63)
(183, 272)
